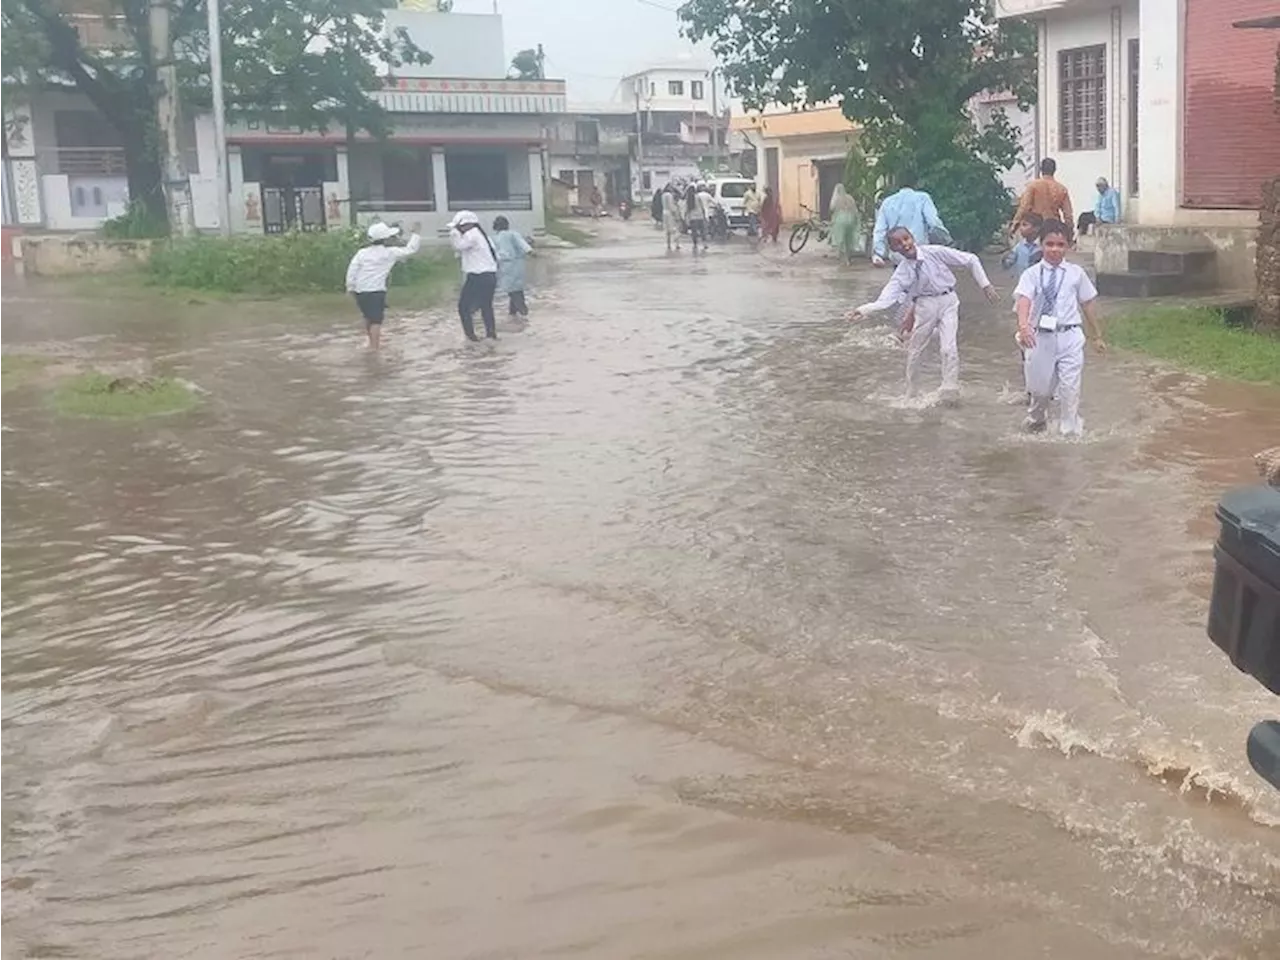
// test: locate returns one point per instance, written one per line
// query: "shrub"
(136, 223)
(287, 263)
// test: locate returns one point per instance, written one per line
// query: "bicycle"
(800, 232)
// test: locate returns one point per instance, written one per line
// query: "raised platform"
(1144, 261)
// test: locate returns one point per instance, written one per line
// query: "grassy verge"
(292, 263)
(17, 369)
(567, 231)
(101, 395)
(1198, 339)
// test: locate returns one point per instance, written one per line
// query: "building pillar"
(440, 182)
(537, 183)
(1161, 28)
(237, 199)
(339, 205)
(22, 175)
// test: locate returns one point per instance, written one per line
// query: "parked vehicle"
(718, 223)
(728, 192)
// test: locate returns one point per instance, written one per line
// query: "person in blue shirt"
(1026, 251)
(511, 250)
(910, 208)
(1106, 209)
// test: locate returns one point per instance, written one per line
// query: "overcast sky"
(593, 42)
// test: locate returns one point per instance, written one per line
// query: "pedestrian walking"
(846, 226)
(480, 268)
(1026, 251)
(369, 270)
(511, 249)
(923, 280)
(671, 219)
(770, 216)
(910, 208)
(751, 207)
(1045, 197)
(1055, 299)
(655, 208)
(695, 216)
(597, 203)
(1106, 208)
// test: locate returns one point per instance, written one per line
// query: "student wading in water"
(368, 271)
(924, 280)
(480, 267)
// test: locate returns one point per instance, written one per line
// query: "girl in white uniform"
(1055, 299)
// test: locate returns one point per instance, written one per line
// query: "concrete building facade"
(1170, 102)
(799, 153)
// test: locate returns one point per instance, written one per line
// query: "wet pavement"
(663, 628)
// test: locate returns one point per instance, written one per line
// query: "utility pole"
(177, 188)
(219, 117)
(715, 126)
(639, 145)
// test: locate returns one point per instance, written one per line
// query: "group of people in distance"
(490, 266)
(1054, 299)
(678, 209)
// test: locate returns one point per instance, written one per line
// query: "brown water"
(662, 629)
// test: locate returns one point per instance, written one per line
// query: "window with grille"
(675, 88)
(1082, 98)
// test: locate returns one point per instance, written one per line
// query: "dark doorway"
(830, 172)
(292, 186)
(771, 172)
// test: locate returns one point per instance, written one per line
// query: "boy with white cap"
(480, 269)
(368, 271)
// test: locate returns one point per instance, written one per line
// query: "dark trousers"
(517, 306)
(477, 294)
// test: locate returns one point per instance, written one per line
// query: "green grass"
(102, 395)
(18, 369)
(1198, 339)
(567, 232)
(290, 263)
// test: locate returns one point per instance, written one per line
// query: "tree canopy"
(904, 71)
(306, 63)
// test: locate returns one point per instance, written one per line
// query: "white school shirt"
(1075, 288)
(929, 274)
(369, 268)
(474, 251)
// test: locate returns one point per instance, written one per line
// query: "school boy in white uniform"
(1056, 302)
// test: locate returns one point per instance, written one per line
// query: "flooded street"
(663, 628)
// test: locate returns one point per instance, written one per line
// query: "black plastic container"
(1244, 614)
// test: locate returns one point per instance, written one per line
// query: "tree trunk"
(1267, 314)
(146, 182)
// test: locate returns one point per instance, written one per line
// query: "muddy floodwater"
(663, 628)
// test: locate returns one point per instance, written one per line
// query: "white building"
(683, 124)
(1171, 103)
(463, 137)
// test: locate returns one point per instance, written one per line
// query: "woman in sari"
(846, 225)
(770, 216)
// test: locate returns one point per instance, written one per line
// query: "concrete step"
(1197, 264)
(1142, 283)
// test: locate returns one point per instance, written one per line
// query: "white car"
(728, 192)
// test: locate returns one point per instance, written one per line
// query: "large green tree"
(905, 71)
(306, 63)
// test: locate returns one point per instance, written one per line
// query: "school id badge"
(1048, 322)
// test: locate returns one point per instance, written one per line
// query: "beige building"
(800, 153)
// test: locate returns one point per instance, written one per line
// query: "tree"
(304, 63)
(905, 72)
(527, 65)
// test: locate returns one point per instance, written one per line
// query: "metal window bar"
(84, 161)
(1082, 98)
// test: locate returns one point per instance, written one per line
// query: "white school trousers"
(1054, 367)
(941, 313)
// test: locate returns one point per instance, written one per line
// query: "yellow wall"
(801, 137)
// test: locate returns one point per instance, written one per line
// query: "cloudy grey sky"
(593, 42)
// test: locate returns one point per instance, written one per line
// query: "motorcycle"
(624, 209)
(718, 224)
